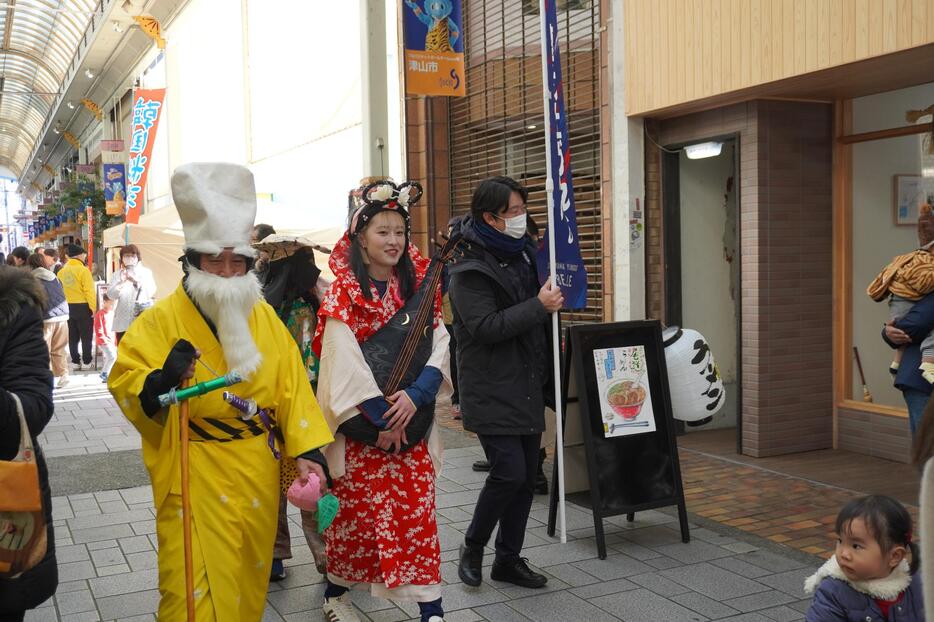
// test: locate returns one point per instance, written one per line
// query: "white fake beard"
(227, 302)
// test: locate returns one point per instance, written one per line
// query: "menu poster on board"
(625, 397)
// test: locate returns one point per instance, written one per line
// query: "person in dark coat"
(24, 370)
(873, 573)
(504, 371)
(910, 331)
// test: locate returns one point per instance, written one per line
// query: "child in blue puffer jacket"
(872, 576)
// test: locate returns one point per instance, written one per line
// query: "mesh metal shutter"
(497, 128)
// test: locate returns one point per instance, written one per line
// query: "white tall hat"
(217, 204)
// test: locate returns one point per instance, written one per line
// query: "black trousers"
(80, 327)
(506, 497)
(455, 397)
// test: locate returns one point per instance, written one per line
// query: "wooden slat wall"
(682, 50)
(497, 128)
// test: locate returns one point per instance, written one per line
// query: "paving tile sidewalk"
(107, 560)
(107, 545)
(788, 510)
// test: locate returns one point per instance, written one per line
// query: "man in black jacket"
(503, 353)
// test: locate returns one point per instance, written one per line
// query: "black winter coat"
(24, 370)
(504, 369)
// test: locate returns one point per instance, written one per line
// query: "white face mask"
(515, 226)
(130, 261)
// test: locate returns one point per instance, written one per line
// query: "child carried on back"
(873, 574)
(907, 279)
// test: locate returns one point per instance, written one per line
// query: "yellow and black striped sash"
(207, 429)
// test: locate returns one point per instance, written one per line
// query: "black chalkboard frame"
(581, 341)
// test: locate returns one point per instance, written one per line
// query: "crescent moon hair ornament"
(407, 320)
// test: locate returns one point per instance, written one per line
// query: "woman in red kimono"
(387, 451)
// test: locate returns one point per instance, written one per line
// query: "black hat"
(74, 250)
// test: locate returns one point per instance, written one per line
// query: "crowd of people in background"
(334, 345)
(73, 326)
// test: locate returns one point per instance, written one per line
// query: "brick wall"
(786, 260)
(871, 434)
(427, 157)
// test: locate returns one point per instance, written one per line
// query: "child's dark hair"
(886, 519)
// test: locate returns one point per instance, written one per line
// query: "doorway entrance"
(702, 281)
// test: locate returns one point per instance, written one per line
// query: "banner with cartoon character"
(147, 108)
(115, 188)
(625, 399)
(434, 48)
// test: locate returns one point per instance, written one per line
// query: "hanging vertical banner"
(570, 272)
(90, 212)
(147, 106)
(114, 188)
(434, 48)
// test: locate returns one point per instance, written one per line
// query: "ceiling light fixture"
(56, 130)
(531, 127)
(117, 27)
(71, 105)
(703, 150)
(89, 74)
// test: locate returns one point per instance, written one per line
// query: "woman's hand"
(307, 467)
(391, 440)
(401, 410)
(896, 335)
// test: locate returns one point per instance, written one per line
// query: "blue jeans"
(916, 401)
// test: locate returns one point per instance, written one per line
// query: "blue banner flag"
(570, 272)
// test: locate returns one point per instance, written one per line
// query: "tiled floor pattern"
(108, 560)
(107, 556)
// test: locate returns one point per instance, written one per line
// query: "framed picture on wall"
(909, 195)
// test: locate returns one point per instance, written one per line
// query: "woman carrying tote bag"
(27, 576)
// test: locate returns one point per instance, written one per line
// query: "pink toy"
(305, 497)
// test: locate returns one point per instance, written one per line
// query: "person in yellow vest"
(214, 323)
(82, 303)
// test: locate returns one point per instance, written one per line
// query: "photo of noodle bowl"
(626, 398)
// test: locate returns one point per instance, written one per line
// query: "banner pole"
(555, 328)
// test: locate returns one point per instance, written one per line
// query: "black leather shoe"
(481, 465)
(517, 573)
(470, 567)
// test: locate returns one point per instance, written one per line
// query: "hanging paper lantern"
(697, 392)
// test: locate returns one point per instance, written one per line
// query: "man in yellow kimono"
(216, 322)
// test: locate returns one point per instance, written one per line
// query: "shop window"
(891, 180)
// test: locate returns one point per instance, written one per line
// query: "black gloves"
(163, 380)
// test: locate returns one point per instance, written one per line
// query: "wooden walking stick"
(181, 397)
(867, 396)
(186, 511)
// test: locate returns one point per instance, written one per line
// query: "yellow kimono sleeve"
(299, 416)
(142, 351)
